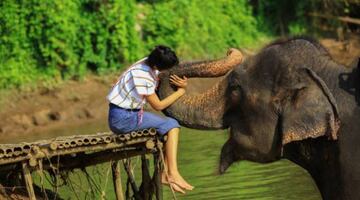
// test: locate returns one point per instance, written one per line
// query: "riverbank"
(74, 103)
(68, 104)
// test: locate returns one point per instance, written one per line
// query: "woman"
(136, 87)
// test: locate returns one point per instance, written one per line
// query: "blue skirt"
(124, 121)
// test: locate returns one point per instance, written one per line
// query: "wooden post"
(145, 188)
(157, 176)
(340, 34)
(28, 181)
(127, 192)
(135, 189)
(117, 180)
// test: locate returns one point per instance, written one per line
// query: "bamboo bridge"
(18, 161)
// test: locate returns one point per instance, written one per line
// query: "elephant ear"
(310, 109)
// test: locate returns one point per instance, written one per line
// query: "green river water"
(198, 157)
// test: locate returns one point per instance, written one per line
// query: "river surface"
(198, 157)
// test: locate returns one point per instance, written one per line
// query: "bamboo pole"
(39, 152)
(145, 188)
(28, 181)
(157, 176)
(145, 132)
(26, 148)
(2, 153)
(127, 192)
(117, 180)
(133, 134)
(84, 160)
(67, 162)
(131, 178)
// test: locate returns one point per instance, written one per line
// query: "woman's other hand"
(178, 82)
(158, 104)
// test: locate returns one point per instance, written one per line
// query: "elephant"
(290, 100)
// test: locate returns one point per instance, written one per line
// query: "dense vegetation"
(47, 41)
(196, 28)
(294, 17)
(43, 40)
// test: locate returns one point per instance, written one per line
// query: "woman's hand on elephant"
(177, 81)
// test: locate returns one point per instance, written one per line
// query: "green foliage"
(289, 17)
(42, 40)
(283, 16)
(16, 62)
(52, 40)
(196, 28)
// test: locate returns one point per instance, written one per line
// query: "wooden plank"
(350, 20)
(84, 160)
(117, 180)
(28, 181)
(45, 153)
(12, 153)
(69, 162)
(340, 18)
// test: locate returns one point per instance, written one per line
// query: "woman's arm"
(158, 104)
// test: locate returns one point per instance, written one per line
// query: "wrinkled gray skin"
(292, 101)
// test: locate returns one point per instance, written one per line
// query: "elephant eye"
(297, 95)
(235, 95)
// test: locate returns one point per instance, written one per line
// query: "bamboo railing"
(80, 151)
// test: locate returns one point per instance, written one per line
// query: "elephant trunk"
(213, 68)
(205, 110)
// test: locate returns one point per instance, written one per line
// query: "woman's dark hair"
(162, 57)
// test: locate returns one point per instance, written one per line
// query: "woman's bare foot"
(179, 180)
(176, 188)
(173, 185)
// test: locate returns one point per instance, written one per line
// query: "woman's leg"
(169, 126)
(171, 148)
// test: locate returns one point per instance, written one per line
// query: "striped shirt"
(133, 85)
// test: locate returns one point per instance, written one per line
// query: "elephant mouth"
(226, 162)
(235, 151)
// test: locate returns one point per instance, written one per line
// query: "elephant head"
(271, 99)
(276, 99)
